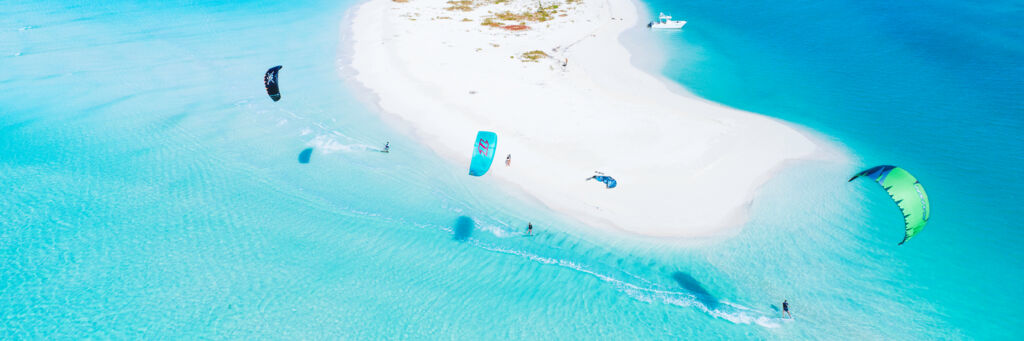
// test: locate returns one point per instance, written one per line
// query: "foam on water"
(734, 313)
(328, 144)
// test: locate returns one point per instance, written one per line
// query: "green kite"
(908, 194)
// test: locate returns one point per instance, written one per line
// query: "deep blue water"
(151, 189)
(935, 87)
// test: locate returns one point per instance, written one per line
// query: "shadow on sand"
(691, 284)
(305, 154)
(463, 228)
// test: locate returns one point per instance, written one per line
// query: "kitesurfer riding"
(529, 228)
(785, 308)
(387, 147)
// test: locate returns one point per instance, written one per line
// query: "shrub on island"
(533, 56)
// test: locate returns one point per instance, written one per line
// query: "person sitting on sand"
(508, 160)
(785, 308)
(387, 147)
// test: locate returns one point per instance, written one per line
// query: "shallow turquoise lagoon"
(152, 190)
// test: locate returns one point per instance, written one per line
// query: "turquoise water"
(897, 83)
(153, 190)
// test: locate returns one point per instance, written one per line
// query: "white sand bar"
(685, 167)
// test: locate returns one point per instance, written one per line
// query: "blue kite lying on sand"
(608, 181)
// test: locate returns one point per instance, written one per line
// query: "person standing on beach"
(785, 308)
(529, 228)
(508, 160)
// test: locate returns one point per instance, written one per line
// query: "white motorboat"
(665, 21)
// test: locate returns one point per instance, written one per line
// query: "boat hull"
(674, 25)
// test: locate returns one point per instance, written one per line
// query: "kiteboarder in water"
(387, 147)
(785, 308)
(529, 228)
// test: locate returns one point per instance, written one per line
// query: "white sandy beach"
(685, 167)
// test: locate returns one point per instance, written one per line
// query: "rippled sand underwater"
(154, 190)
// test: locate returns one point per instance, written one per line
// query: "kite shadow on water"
(691, 285)
(305, 155)
(463, 228)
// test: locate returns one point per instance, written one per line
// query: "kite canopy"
(270, 81)
(483, 153)
(608, 181)
(908, 194)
